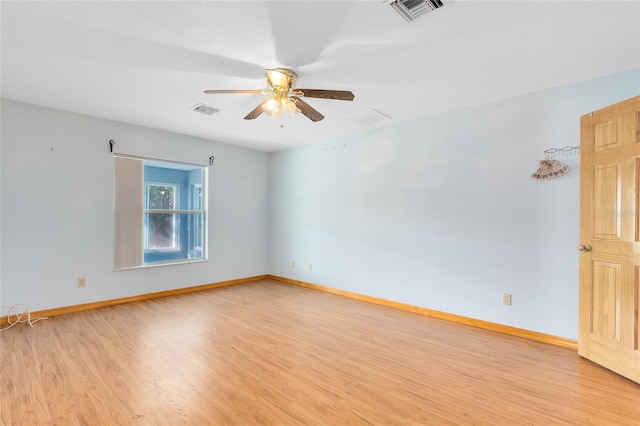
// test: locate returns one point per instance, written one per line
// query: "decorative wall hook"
(211, 160)
(111, 144)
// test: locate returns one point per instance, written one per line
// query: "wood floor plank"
(273, 353)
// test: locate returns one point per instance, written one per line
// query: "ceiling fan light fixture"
(271, 105)
(290, 107)
(279, 104)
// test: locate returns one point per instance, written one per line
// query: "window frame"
(132, 238)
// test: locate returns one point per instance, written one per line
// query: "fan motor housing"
(281, 80)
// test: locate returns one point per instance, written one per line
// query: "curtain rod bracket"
(111, 144)
(211, 160)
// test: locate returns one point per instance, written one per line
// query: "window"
(159, 218)
(159, 212)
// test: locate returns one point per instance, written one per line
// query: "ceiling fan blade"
(258, 91)
(341, 95)
(307, 109)
(256, 111)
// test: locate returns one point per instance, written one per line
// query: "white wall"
(442, 213)
(57, 209)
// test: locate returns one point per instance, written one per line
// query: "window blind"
(128, 176)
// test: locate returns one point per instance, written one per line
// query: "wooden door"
(609, 331)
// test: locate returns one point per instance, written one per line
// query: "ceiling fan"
(286, 97)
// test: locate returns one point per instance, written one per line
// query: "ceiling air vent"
(411, 9)
(369, 117)
(205, 109)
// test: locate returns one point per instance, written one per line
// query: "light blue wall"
(57, 208)
(442, 213)
(438, 212)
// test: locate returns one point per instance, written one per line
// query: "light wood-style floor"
(274, 353)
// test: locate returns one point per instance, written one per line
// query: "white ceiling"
(148, 62)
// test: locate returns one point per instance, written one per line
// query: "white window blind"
(128, 182)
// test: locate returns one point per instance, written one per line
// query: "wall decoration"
(551, 168)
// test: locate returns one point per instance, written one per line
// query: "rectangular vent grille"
(205, 109)
(369, 117)
(411, 9)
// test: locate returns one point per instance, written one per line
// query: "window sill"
(162, 263)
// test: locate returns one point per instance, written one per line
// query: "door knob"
(584, 247)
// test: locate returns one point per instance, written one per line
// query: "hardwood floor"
(273, 353)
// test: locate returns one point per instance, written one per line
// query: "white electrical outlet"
(293, 264)
(506, 299)
(82, 282)
(310, 266)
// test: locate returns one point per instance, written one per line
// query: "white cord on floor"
(19, 317)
